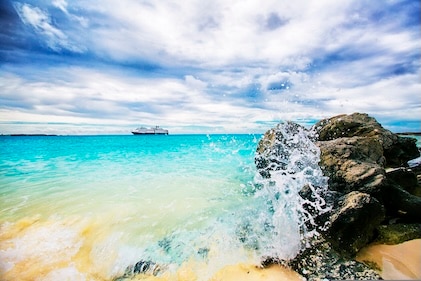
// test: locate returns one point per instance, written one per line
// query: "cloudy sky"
(199, 66)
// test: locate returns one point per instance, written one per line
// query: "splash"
(292, 185)
(283, 201)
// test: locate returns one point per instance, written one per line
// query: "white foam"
(46, 243)
(414, 162)
(300, 158)
(70, 273)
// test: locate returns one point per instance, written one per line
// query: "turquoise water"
(92, 205)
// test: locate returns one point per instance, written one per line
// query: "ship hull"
(151, 133)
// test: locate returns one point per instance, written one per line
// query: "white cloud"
(216, 33)
(40, 20)
(61, 4)
(220, 63)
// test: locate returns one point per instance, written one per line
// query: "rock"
(353, 164)
(320, 219)
(357, 124)
(397, 150)
(321, 262)
(353, 222)
(144, 267)
(400, 203)
(279, 144)
(397, 233)
(405, 177)
(402, 150)
(355, 153)
(417, 171)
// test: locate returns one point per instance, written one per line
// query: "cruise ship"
(150, 131)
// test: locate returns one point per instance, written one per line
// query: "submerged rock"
(144, 267)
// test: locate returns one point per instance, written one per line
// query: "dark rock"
(275, 148)
(397, 233)
(402, 150)
(405, 177)
(353, 222)
(400, 203)
(321, 262)
(353, 164)
(141, 267)
(417, 171)
(320, 219)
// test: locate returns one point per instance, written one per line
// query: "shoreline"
(392, 262)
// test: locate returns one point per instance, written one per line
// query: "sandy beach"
(395, 262)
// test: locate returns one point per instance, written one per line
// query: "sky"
(200, 66)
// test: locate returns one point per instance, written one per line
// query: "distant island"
(31, 135)
(409, 133)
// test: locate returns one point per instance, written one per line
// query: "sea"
(109, 207)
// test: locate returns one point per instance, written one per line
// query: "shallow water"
(87, 207)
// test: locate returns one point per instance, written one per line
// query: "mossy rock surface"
(398, 233)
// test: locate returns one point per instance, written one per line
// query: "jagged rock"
(400, 203)
(357, 124)
(417, 171)
(355, 151)
(397, 150)
(321, 262)
(397, 233)
(353, 164)
(405, 177)
(277, 145)
(353, 222)
(403, 150)
(145, 267)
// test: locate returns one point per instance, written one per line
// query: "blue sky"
(238, 66)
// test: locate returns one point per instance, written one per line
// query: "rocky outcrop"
(353, 164)
(321, 262)
(356, 152)
(353, 222)
(371, 187)
(397, 150)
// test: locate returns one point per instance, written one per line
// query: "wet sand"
(395, 262)
(246, 272)
(241, 271)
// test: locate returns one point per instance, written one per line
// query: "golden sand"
(241, 271)
(246, 272)
(395, 262)
(34, 249)
(57, 249)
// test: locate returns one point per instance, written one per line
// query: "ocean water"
(89, 207)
